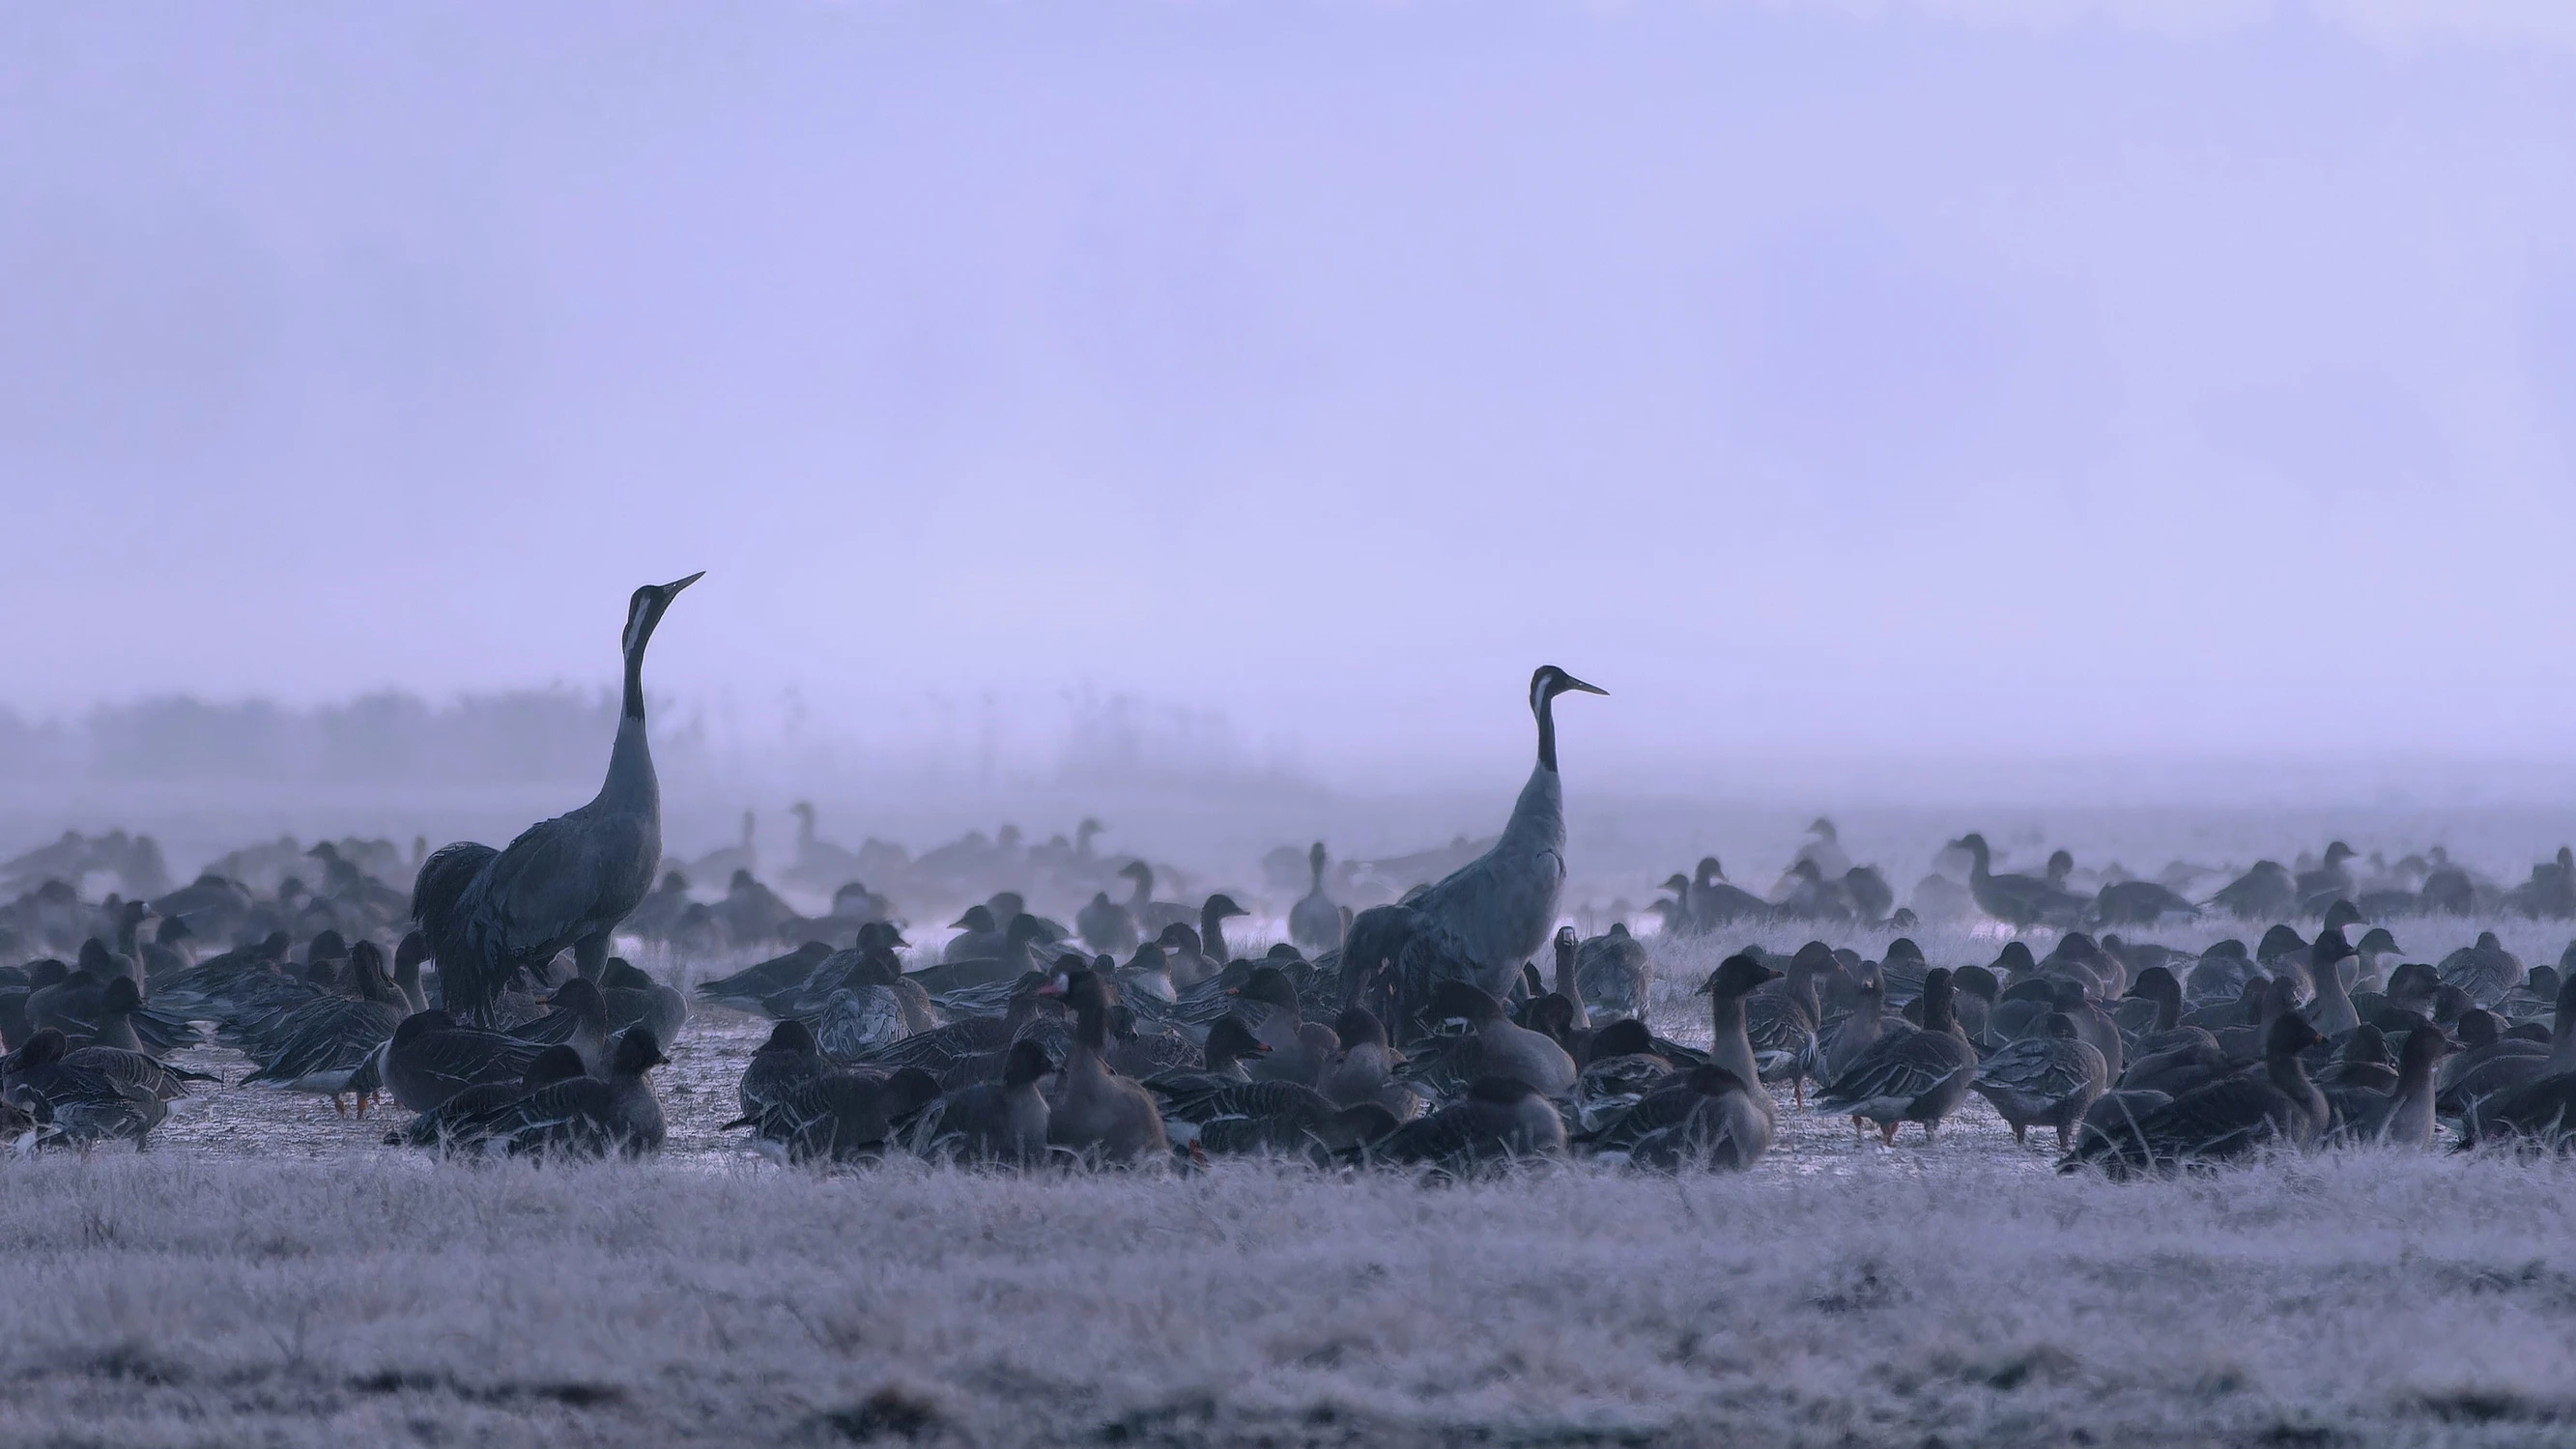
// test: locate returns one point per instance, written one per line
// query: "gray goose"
(1492, 1047)
(430, 1059)
(454, 1121)
(1499, 1122)
(2047, 1080)
(1706, 1118)
(585, 1117)
(79, 1105)
(2229, 1118)
(787, 1060)
(2403, 1116)
(329, 1046)
(841, 1116)
(1365, 1069)
(1909, 1076)
(1002, 1124)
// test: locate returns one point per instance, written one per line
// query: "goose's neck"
(1728, 1046)
(2169, 1009)
(1569, 986)
(1212, 935)
(1144, 891)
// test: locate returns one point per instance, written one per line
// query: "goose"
(1017, 954)
(494, 917)
(2264, 893)
(1147, 976)
(2402, 1116)
(841, 1116)
(1106, 926)
(1726, 988)
(328, 1045)
(1500, 1121)
(1000, 1123)
(2496, 1075)
(863, 1015)
(585, 1116)
(2540, 1112)
(979, 937)
(1099, 1115)
(2486, 971)
(430, 1058)
(2319, 888)
(1612, 971)
(1623, 1067)
(973, 1047)
(2047, 1080)
(820, 864)
(1315, 923)
(1299, 1050)
(750, 913)
(1482, 921)
(577, 1016)
(635, 999)
(2140, 903)
(750, 988)
(2364, 1065)
(2018, 900)
(1185, 959)
(1492, 1047)
(1218, 910)
(454, 1121)
(1842, 1042)
(1810, 897)
(1706, 1118)
(1273, 1119)
(1910, 1076)
(1364, 1071)
(2093, 1025)
(1230, 1043)
(80, 1105)
(1151, 914)
(1714, 901)
(2164, 1031)
(2231, 1117)
(136, 1069)
(722, 863)
(787, 1060)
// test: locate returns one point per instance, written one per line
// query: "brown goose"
(1098, 1114)
(1909, 1076)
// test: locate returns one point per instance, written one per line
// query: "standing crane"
(492, 917)
(1483, 920)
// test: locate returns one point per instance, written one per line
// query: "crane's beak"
(1578, 686)
(668, 590)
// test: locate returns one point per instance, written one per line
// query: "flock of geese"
(1418, 1033)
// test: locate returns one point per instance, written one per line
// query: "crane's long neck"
(631, 784)
(1545, 707)
(804, 830)
(1538, 817)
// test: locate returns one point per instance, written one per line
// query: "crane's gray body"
(1500, 907)
(493, 917)
(1483, 921)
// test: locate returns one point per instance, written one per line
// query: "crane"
(492, 917)
(1483, 920)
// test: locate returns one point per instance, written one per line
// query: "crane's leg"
(590, 956)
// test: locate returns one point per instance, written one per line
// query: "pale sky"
(1856, 379)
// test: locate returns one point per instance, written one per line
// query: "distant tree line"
(392, 737)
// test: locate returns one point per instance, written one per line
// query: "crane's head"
(646, 609)
(1550, 681)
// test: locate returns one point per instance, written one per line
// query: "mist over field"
(1127, 442)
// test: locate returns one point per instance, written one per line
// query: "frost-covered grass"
(268, 1275)
(2357, 1298)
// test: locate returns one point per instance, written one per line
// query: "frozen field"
(269, 1275)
